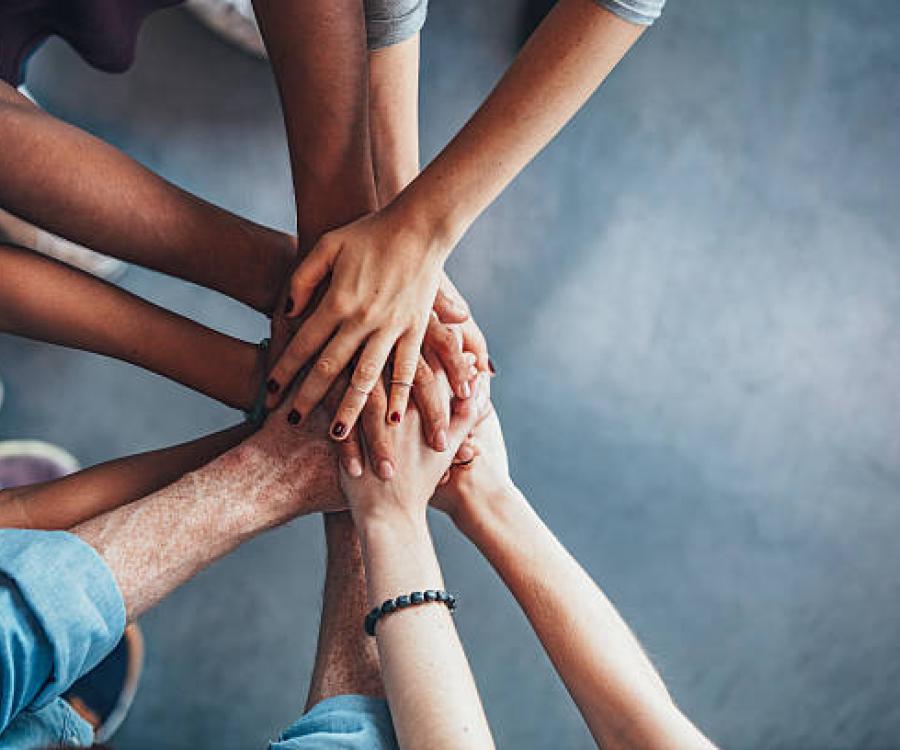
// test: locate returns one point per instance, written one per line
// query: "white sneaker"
(233, 20)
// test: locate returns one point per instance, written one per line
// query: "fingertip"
(353, 467)
(385, 469)
(465, 453)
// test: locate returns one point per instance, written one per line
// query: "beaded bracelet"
(411, 600)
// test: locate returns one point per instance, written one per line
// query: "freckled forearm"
(156, 544)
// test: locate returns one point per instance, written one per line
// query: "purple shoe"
(30, 461)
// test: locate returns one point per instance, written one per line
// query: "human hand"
(297, 464)
(452, 309)
(420, 468)
(472, 486)
(431, 398)
(383, 282)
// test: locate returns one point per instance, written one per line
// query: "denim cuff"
(349, 722)
(72, 595)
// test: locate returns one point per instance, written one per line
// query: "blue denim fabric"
(350, 722)
(61, 612)
(643, 12)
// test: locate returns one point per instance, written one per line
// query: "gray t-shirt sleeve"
(643, 12)
(393, 21)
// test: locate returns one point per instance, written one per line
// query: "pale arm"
(433, 697)
(621, 697)
(562, 64)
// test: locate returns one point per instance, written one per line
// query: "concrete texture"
(693, 297)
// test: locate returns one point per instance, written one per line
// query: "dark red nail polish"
(491, 366)
(395, 417)
(293, 417)
(288, 305)
(339, 429)
(272, 386)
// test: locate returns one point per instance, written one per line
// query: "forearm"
(617, 690)
(74, 185)
(49, 301)
(566, 59)
(67, 502)
(430, 688)
(394, 116)
(156, 544)
(318, 54)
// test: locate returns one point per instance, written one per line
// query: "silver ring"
(401, 382)
(355, 387)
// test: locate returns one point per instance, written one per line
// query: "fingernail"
(354, 467)
(465, 453)
(293, 417)
(395, 417)
(272, 386)
(386, 469)
(440, 440)
(288, 305)
(491, 366)
(473, 373)
(466, 390)
(339, 429)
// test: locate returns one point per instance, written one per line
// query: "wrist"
(481, 516)
(277, 488)
(438, 229)
(383, 525)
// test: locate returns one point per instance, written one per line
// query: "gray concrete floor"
(694, 299)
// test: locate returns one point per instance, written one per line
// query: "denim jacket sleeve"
(61, 612)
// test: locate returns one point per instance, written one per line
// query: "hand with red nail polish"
(382, 279)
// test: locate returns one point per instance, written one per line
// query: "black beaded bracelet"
(408, 600)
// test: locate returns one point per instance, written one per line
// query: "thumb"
(307, 277)
(467, 412)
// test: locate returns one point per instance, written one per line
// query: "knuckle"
(341, 306)
(382, 448)
(368, 370)
(407, 370)
(326, 367)
(424, 376)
